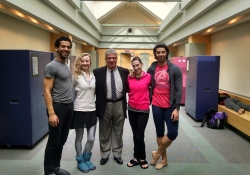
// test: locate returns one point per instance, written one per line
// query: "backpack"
(214, 119)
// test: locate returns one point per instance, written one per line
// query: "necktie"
(113, 88)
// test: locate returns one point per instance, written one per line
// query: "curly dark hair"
(163, 46)
(62, 38)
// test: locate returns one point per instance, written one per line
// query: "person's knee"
(160, 135)
(79, 138)
(160, 131)
(172, 136)
(91, 139)
(63, 141)
(139, 137)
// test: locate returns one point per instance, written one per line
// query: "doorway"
(125, 60)
(144, 58)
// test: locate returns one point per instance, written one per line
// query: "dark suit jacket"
(101, 89)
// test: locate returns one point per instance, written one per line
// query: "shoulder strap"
(207, 115)
(204, 119)
(225, 115)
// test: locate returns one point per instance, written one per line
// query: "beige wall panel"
(78, 49)
(17, 34)
(102, 61)
(129, 16)
(202, 39)
(181, 50)
(232, 44)
(125, 60)
(194, 49)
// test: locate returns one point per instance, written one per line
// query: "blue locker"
(23, 118)
(202, 85)
(53, 55)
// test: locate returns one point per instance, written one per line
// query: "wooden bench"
(240, 122)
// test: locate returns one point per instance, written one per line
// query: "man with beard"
(59, 103)
(166, 93)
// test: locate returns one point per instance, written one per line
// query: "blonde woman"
(84, 111)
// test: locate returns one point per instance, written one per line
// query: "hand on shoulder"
(131, 73)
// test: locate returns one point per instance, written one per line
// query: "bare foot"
(160, 165)
(241, 111)
(155, 158)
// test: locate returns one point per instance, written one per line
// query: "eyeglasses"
(111, 58)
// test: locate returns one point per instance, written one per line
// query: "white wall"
(17, 34)
(233, 45)
(100, 8)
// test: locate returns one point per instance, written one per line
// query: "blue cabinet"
(202, 84)
(23, 118)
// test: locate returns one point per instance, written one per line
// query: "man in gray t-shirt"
(62, 87)
(59, 103)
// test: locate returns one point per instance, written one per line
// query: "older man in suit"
(111, 105)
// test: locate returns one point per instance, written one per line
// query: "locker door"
(190, 102)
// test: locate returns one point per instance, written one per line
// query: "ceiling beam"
(130, 25)
(147, 0)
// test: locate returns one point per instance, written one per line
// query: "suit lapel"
(121, 73)
(104, 78)
(123, 77)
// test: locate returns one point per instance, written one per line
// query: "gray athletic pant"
(235, 104)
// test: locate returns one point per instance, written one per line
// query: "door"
(125, 60)
(144, 58)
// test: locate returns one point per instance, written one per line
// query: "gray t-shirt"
(62, 87)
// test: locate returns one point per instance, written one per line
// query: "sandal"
(133, 162)
(160, 165)
(144, 162)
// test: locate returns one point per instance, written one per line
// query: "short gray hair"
(109, 51)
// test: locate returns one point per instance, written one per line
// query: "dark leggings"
(57, 136)
(138, 122)
(164, 114)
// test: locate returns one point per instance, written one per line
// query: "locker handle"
(14, 102)
(207, 90)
